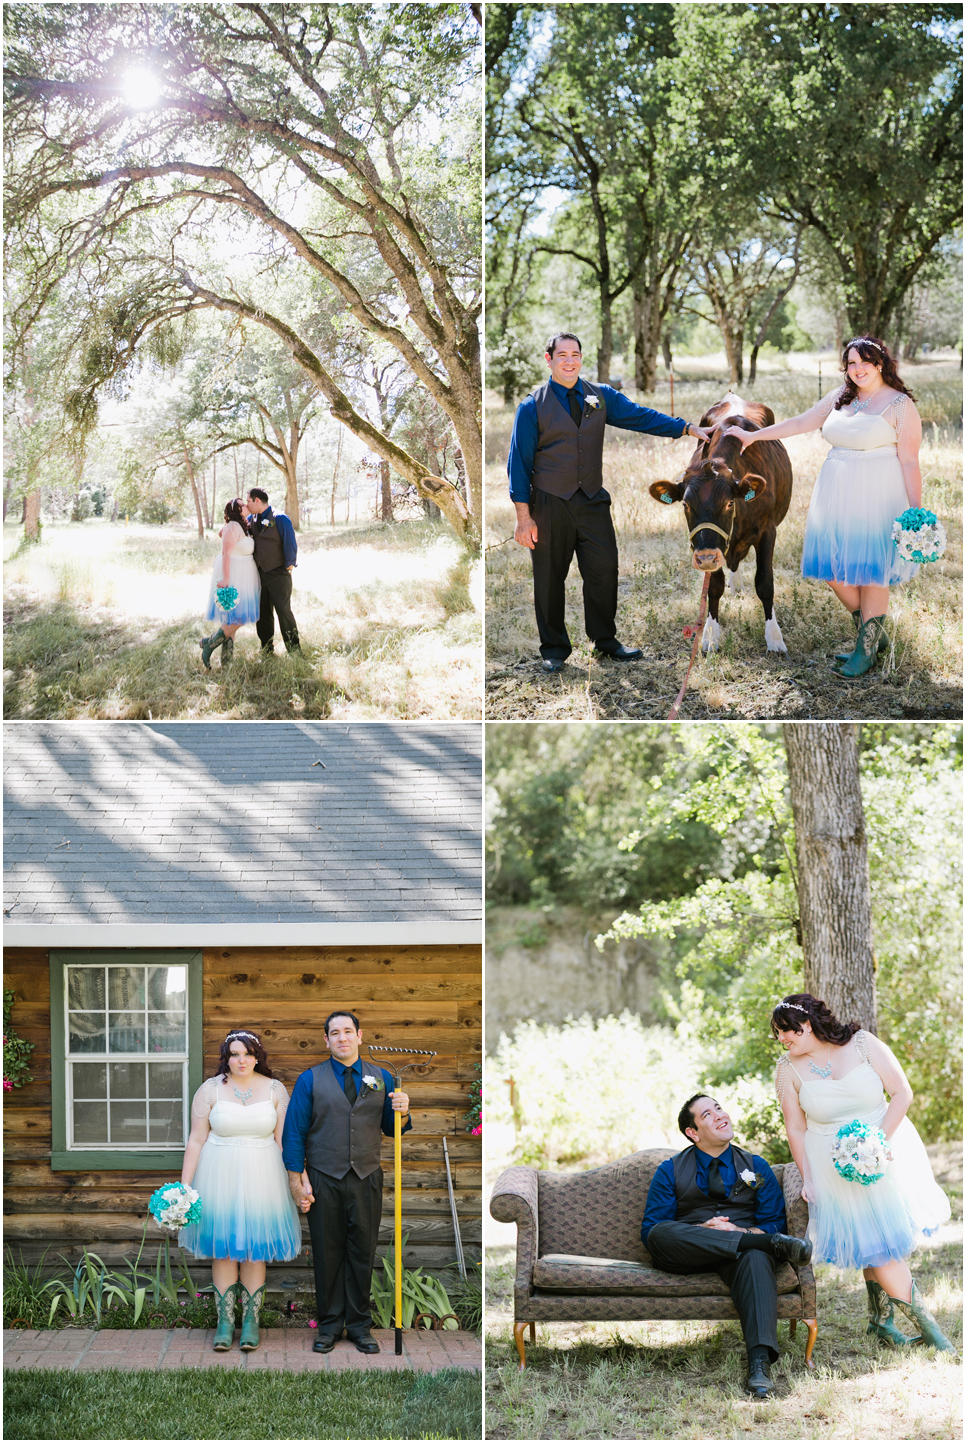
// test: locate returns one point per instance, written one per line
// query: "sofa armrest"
(796, 1213)
(514, 1200)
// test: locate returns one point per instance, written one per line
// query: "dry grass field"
(659, 590)
(685, 1380)
(103, 621)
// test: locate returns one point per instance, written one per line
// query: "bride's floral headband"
(241, 1034)
(789, 1004)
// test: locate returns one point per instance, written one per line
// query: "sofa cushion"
(599, 1213)
(573, 1273)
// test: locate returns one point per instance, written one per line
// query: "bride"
(235, 566)
(870, 476)
(834, 1073)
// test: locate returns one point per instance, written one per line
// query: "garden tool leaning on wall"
(397, 1166)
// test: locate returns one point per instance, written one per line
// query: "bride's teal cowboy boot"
(209, 645)
(881, 1317)
(251, 1307)
(863, 658)
(225, 1331)
(883, 641)
(228, 651)
(932, 1335)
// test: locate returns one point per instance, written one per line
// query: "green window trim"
(120, 1160)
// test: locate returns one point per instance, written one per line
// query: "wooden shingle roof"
(190, 822)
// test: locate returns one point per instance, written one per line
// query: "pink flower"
(312, 1324)
(477, 1130)
(7, 1085)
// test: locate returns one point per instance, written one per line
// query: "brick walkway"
(291, 1349)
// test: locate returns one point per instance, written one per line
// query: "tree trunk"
(194, 491)
(666, 351)
(606, 350)
(834, 896)
(335, 475)
(31, 514)
(386, 491)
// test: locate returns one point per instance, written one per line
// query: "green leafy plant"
(91, 1285)
(420, 1294)
(468, 1299)
(15, 1050)
(24, 1293)
(474, 1117)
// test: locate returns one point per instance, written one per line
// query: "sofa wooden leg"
(792, 1327)
(518, 1331)
(533, 1332)
(812, 1326)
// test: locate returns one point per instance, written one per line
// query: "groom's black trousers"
(344, 1228)
(678, 1247)
(276, 598)
(580, 526)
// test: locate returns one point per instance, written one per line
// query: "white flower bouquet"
(175, 1206)
(859, 1153)
(918, 535)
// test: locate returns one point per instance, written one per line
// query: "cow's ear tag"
(666, 499)
(749, 495)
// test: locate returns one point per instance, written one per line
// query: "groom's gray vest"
(569, 457)
(343, 1138)
(694, 1206)
(269, 552)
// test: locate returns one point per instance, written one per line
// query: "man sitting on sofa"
(717, 1208)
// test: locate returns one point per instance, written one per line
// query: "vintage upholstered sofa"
(580, 1257)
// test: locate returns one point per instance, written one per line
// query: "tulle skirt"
(243, 576)
(855, 1226)
(247, 1212)
(848, 533)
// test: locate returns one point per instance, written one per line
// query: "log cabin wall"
(427, 998)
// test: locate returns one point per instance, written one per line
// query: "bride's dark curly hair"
(871, 349)
(253, 1044)
(233, 512)
(801, 1007)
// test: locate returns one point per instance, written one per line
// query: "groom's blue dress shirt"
(298, 1119)
(662, 1201)
(620, 412)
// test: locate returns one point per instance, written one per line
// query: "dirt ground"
(921, 677)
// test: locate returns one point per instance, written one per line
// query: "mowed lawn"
(685, 1380)
(209, 1403)
(660, 590)
(103, 621)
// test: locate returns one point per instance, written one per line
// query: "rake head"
(410, 1051)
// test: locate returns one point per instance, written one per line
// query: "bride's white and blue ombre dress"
(242, 575)
(247, 1211)
(852, 1225)
(858, 494)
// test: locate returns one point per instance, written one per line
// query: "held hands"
(400, 1102)
(301, 1190)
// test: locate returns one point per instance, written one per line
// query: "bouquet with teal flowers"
(175, 1206)
(226, 596)
(859, 1153)
(919, 535)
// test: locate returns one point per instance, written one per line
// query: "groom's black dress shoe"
(759, 1383)
(622, 653)
(324, 1343)
(366, 1343)
(790, 1250)
(552, 663)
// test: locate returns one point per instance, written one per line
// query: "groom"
(717, 1208)
(337, 1115)
(276, 552)
(556, 476)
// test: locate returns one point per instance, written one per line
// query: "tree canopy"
(153, 148)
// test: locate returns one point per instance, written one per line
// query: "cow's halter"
(710, 526)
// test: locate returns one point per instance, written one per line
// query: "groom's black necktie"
(351, 1092)
(576, 409)
(716, 1187)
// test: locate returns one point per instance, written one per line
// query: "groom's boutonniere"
(593, 402)
(751, 1179)
(372, 1084)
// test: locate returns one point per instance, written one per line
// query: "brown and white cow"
(734, 501)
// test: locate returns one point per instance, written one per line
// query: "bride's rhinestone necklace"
(825, 1071)
(246, 1095)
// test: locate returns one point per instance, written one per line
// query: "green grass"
(659, 590)
(203, 1403)
(103, 621)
